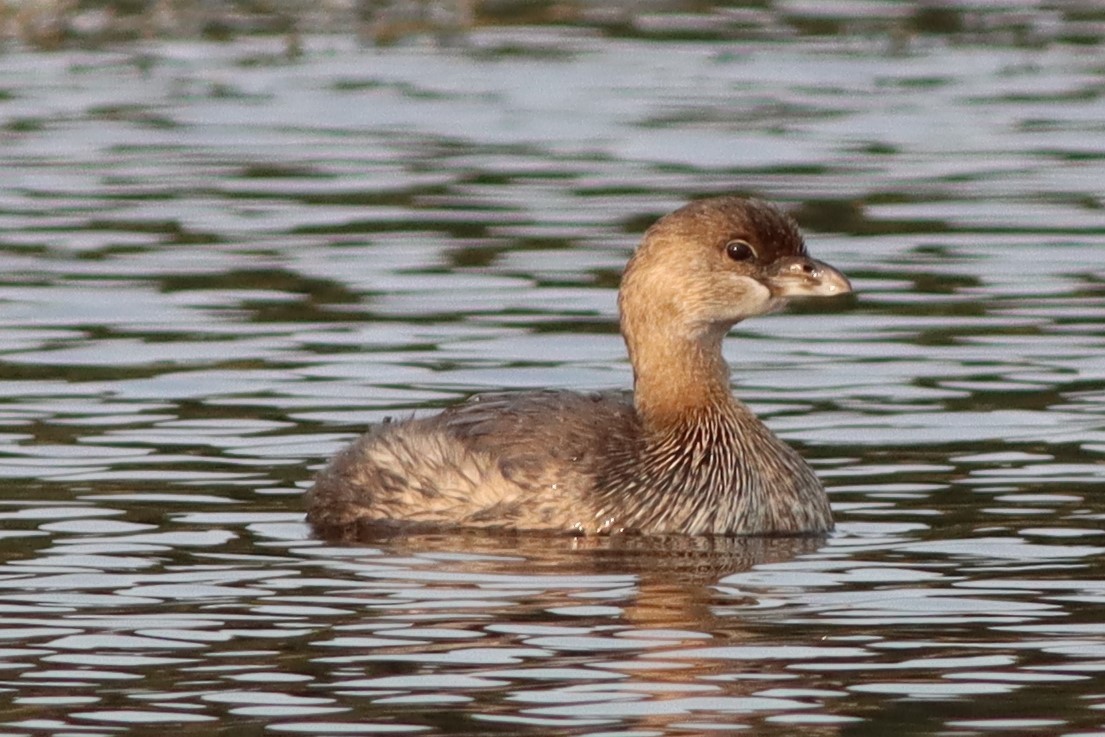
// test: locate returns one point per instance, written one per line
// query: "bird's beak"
(798, 276)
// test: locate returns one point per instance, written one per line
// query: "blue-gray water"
(219, 262)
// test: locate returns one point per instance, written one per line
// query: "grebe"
(679, 455)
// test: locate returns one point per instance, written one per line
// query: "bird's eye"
(739, 251)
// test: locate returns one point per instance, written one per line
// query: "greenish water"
(220, 261)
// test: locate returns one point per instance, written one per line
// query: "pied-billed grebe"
(681, 455)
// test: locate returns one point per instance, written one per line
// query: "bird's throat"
(675, 380)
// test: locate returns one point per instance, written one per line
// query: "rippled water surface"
(220, 262)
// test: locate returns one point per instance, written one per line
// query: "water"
(219, 263)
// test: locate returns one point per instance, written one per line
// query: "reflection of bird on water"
(642, 613)
(682, 455)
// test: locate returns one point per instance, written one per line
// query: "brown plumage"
(681, 455)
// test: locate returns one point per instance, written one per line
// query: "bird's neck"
(677, 378)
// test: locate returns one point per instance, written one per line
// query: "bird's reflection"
(673, 576)
(664, 596)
